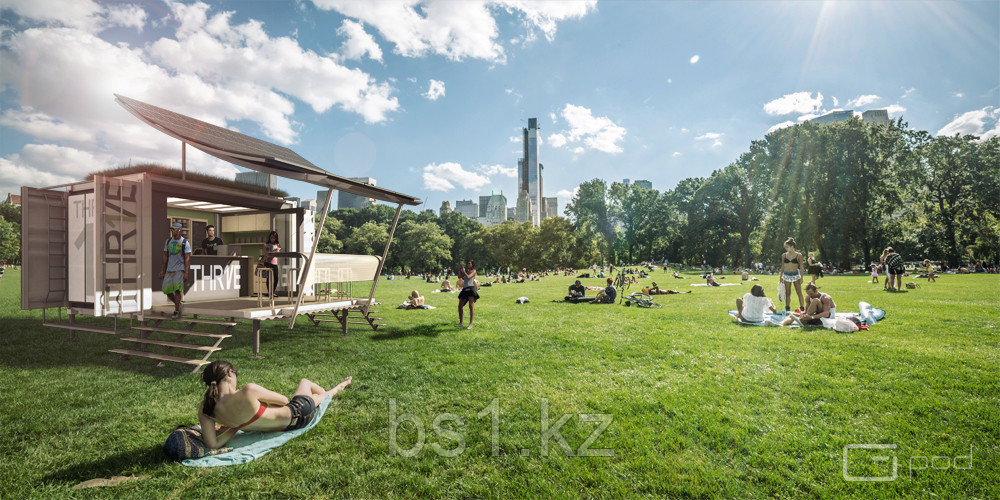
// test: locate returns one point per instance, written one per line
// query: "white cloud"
(835, 102)
(780, 126)
(895, 109)
(227, 54)
(798, 102)
(565, 196)
(974, 123)
(585, 129)
(358, 42)
(676, 154)
(129, 16)
(444, 176)
(861, 100)
(694, 59)
(498, 170)
(959, 95)
(514, 139)
(435, 89)
(684, 130)
(456, 30)
(43, 126)
(907, 92)
(82, 14)
(714, 137)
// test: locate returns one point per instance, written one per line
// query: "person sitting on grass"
(751, 306)
(606, 295)
(820, 306)
(416, 300)
(710, 280)
(656, 290)
(576, 290)
(745, 276)
(678, 276)
(253, 407)
(446, 286)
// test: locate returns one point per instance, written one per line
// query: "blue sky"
(429, 97)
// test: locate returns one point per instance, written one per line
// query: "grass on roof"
(153, 168)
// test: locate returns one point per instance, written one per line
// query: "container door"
(44, 248)
(118, 260)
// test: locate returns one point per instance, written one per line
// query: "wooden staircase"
(353, 316)
(141, 345)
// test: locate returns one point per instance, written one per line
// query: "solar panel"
(251, 152)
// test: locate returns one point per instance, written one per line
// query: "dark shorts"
(468, 294)
(897, 270)
(303, 408)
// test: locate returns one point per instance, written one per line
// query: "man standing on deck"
(176, 265)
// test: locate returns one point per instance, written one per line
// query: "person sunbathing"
(253, 407)
(752, 305)
(820, 306)
(710, 280)
(414, 301)
(446, 286)
(745, 276)
(656, 290)
(678, 276)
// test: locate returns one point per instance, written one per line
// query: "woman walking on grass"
(467, 276)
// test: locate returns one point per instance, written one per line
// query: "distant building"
(551, 206)
(348, 200)
(644, 183)
(626, 181)
(294, 200)
(445, 207)
(512, 213)
(309, 205)
(529, 172)
(876, 116)
(524, 207)
(484, 202)
(321, 200)
(467, 208)
(833, 116)
(254, 178)
(13, 199)
(428, 211)
(496, 210)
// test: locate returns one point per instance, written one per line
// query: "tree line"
(843, 190)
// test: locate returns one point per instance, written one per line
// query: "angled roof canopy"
(245, 151)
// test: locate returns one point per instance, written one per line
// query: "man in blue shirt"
(608, 295)
(176, 265)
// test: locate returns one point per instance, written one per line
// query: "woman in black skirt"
(467, 276)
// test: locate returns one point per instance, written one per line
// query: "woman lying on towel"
(656, 290)
(253, 407)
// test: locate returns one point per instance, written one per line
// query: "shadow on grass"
(144, 459)
(431, 330)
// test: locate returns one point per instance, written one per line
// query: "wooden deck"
(247, 308)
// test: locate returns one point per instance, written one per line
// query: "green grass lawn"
(700, 406)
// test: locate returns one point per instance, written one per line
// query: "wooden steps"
(178, 345)
(144, 343)
(162, 357)
(182, 332)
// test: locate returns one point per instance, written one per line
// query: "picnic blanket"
(404, 306)
(867, 314)
(251, 445)
(720, 284)
(445, 291)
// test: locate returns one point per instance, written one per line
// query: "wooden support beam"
(305, 269)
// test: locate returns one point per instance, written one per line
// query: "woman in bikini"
(792, 270)
(468, 294)
(253, 407)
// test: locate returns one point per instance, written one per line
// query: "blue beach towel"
(869, 315)
(251, 445)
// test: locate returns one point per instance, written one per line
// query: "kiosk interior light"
(230, 209)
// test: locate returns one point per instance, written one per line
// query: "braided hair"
(214, 374)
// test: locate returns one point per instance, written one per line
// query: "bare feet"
(343, 385)
(470, 326)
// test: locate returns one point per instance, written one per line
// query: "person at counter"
(211, 241)
(271, 262)
(176, 265)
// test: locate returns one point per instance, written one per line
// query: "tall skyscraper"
(348, 200)
(484, 202)
(643, 183)
(525, 210)
(529, 173)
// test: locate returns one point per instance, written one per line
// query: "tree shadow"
(430, 330)
(144, 459)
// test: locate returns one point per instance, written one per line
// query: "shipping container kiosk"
(95, 248)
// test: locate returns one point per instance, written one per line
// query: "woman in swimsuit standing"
(792, 270)
(253, 407)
